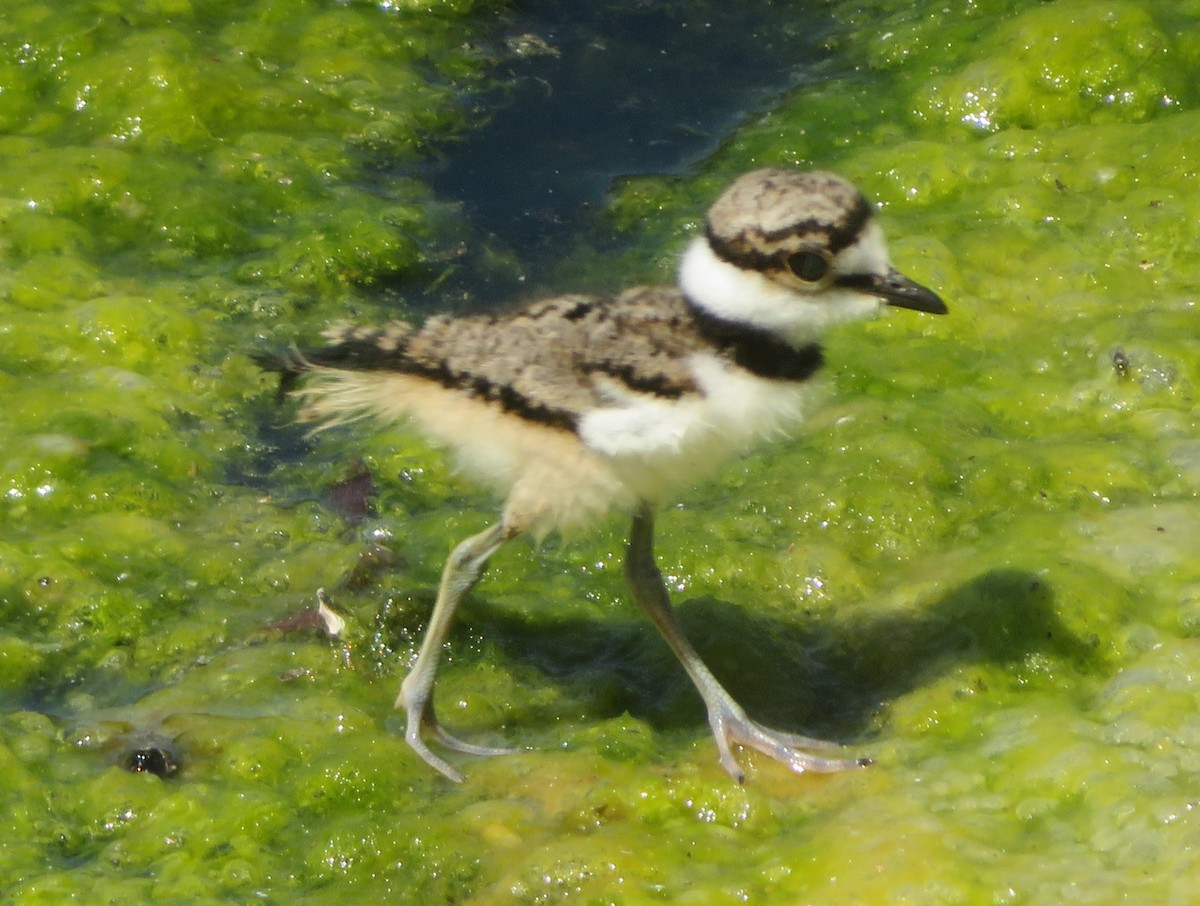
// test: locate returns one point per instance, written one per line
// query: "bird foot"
(732, 727)
(421, 718)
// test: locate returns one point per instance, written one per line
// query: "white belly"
(659, 447)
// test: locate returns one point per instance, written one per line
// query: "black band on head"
(745, 249)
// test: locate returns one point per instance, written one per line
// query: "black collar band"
(757, 350)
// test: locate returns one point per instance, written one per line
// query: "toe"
(436, 762)
(792, 750)
(469, 748)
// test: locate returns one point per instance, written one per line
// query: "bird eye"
(809, 266)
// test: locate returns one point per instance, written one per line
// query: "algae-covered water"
(978, 566)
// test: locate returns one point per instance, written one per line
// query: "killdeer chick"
(575, 406)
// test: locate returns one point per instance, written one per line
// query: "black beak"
(896, 289)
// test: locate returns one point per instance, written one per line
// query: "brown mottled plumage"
(547, 362)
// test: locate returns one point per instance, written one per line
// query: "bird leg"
(463, 569)
(728, 721)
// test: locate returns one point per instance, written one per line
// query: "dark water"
(591, 92)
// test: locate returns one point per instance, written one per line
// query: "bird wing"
(550, 362)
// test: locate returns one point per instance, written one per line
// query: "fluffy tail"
(348, 347)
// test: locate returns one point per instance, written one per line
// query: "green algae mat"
(978, 566)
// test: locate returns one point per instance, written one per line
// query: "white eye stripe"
(867, 255)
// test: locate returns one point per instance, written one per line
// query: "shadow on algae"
(847, 667)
